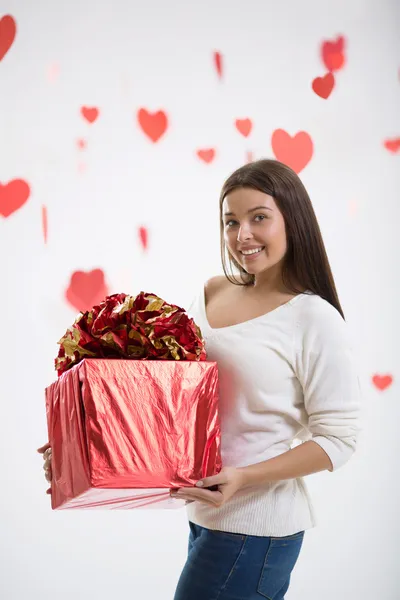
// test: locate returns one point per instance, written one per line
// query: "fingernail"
(200, 484)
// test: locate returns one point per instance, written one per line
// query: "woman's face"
(252, 221)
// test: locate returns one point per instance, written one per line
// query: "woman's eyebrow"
(249, 211)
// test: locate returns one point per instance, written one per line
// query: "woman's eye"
(229, 223)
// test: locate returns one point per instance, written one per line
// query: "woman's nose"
(243, 234)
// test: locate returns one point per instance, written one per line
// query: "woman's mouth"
(252, 254)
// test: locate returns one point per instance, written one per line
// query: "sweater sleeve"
(326, 368)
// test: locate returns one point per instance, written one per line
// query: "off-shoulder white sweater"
(285, 375)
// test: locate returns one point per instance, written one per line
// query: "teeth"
(252, 251)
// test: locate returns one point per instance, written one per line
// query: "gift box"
(123, 432)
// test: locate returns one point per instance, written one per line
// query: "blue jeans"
(231, 566)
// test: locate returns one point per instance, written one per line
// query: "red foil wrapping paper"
(123, 432)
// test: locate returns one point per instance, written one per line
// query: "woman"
(286, 371)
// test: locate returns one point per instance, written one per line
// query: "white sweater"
(285, 375)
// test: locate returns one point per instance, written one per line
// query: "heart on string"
(332, 53)
(90, 113)
(143, 236)
(207, 155)
(86, 289)
(381, 382)
(13, 196)
(8, 30)
(154, 125)
(244, 126)
(44, 223)
(323, 86)
(82, 144)
(296, 152)
(392, 145)
(218, 63)
(249, 156)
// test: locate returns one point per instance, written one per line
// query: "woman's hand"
(46, 451)
(229, 481)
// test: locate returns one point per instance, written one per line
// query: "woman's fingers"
(47, 454)
(46, 451)
(47, 470)
(188, 499)
(43, 449)
(46, 466)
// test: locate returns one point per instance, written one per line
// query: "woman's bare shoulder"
(214, 285)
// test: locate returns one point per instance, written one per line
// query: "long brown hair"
(306, 265)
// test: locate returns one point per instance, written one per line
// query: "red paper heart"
(143, 236)
(382, 381)
(44, 223)
(154, 125)
(81, 144)
(323, 86)
(13, 195)
(333, 54)
(90, 113)
(218, 62)
(206, 155)
(244, 126)
(392, 145)
(86, 289)
(8, 30)
(296, 152)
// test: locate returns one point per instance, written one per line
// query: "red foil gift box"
(123, 432)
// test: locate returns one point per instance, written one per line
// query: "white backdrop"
(94, 184)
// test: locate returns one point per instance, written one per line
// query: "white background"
(123, 56)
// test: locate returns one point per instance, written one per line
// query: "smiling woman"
(286, 370)
(265, 205)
